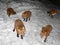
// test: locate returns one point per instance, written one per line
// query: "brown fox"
(46, 31)
(26, 15)
(20, 28)
(52, 12)
(10, 11)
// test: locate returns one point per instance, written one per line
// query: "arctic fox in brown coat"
(26, 15)
(52, 12)
(20, 28)
(46, 31)
(10, 11)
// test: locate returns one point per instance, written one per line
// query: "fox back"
(52, 12)
(26, 14)
(46, 30)
(10, 11)
(19, 26)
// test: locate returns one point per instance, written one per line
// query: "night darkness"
(55, 3)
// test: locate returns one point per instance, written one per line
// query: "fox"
(26, 15)
(52, 12)
(10, 11)
(45, 32)
(20, 28)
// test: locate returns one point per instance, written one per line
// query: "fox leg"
(26, 20)
(14, 12)
(52, 16)
(17, 35)
(23, 19)
(49, 15)
(21, 36)
(45, 39)
(29, 18)
(9, 15)
(13, 29)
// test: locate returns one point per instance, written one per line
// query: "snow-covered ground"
(33, 27)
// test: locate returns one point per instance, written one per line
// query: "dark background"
(51, 3)
(47, 3)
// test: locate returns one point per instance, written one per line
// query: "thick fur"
(26, 15)
(20, 28)
(10, 11)
(52, 12)
(45, 32)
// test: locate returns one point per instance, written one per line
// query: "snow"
(33, 27)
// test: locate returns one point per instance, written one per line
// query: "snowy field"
(33, 27)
